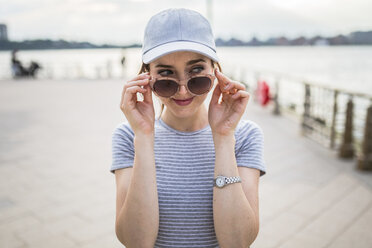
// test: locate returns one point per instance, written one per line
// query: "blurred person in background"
(190, 177)
(123, 64)
(18, 70)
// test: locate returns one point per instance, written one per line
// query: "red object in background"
(263, 93)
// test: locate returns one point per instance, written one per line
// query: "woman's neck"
(197, 121)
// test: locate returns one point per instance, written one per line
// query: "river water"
(345, 67)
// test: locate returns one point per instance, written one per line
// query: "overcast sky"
(123, 22)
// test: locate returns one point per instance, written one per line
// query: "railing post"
(276, 99)
(365, 158)
(347, 149)
(334, 115)
(306, 114)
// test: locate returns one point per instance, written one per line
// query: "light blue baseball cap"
(177, 29)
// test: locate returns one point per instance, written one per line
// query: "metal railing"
(335, 118)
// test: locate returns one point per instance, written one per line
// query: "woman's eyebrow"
(188, 63)
(194, 61)
(166, 66)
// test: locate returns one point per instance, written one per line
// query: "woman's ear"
(217, 65)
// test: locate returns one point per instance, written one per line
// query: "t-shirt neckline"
(165, 125)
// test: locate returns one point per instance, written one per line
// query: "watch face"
(220, 182)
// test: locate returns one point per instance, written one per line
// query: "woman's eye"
(197, 69)
(165, 72)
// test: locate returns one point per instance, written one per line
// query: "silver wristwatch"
(221, 181)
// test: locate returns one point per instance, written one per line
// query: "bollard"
(333, 127)
(49, 73)
(365, 158)
(306, 114)
(98, 72)
(243, 79)
(245, 84)
(256, 90)
(79, 71)
(347, 148)
(276, 99)
(109, 69)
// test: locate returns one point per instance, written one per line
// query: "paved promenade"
(56, 189)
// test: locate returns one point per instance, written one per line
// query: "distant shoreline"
(358, 38)
(268, 46)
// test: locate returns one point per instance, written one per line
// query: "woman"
(189, 178)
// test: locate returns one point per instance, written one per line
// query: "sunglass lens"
(199, 85)
(165, 88)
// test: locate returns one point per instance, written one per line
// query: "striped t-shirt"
(184, 175)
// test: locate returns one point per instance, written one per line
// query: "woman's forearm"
(234, 219)
(138, 221)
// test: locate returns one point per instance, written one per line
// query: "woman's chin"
(183, 113)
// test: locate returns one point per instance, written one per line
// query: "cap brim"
(176, 46)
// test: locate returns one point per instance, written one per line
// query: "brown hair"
(146, 68)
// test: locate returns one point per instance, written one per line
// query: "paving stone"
(305, 240)
(6, 202)
(57, 211)
(326, 196)
(357, 235)
(280, 229)
(19, 223)
(109, 240)
(11, 213)
(8, 240)
(55, 241)
(274, 203)
(333, 221)
(50, 229)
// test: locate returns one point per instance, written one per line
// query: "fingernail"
(226, 87)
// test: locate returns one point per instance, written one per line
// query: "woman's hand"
(224, 116)
(140, 114)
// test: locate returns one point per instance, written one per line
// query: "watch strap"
(229, 180)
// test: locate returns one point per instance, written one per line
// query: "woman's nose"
(183, 90)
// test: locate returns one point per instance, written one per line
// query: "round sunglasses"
(168, 86)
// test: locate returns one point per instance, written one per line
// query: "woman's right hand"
(140, 114)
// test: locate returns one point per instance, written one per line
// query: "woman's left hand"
(224, 116)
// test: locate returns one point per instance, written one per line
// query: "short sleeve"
(122, 147)
(249, 147)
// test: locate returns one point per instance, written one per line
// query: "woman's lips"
(183, 102)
